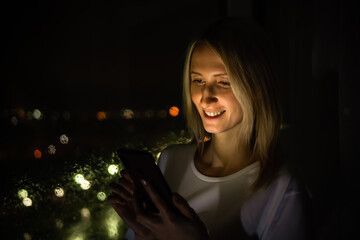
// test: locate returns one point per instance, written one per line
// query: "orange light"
(174, 111)
(101, 116)
(21, 113)
(206, 139)
(37, 154)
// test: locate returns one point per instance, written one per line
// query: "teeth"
(213, 114)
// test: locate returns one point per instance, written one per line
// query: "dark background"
(83, 57)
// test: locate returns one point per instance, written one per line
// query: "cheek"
(236, 107)
(195, 95)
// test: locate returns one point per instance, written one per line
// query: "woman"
(233, 186)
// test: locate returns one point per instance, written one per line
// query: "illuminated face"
(211, 92)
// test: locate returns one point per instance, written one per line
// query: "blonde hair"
(247, 56)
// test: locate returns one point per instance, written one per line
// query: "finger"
(113, 200)
(127, 185)
(128, 216)
(125, 173)
(158, 201)
(118, 190)
(184, 206)
(142, 216)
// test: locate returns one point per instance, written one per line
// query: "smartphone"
(142, 165)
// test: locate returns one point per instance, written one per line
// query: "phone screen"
(142, 165)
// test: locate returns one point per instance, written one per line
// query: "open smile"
(213, 114)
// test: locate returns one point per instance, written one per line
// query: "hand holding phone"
(142, 165)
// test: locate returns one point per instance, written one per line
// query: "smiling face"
(211, 92)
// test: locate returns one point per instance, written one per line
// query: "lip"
(213, 117)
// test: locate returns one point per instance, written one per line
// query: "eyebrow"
(216, 75)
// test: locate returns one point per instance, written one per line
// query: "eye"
(224, 83)
(198, 81)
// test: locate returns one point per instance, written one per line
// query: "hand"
(168, 224)
(122, 202)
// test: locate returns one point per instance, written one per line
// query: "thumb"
(183, 206)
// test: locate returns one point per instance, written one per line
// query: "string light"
(37, 153)
(101, 116)
(37, 114)
(85, 212)
(174, 111)
(27, 202)
(79, 178)
(128, 114)
(85, 184)
(64, 139)
(101, 196)
(22, 193)
(51, 149)
(59, 192)
(113, 169)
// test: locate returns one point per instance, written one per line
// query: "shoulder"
(172, 153)
(277, 210)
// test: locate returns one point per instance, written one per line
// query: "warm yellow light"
(174, 111)
(113, 169)
(59, 192)
(21, 113)
(22, 193)
(37, 154)
(85, 212)
(59, 223)
(85, 185)
(79, 178)
(101, 116)
(101, 196)
(27, 236)
(158, 155)
(128, 113)
(27, 202)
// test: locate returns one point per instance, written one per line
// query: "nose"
(209, 95)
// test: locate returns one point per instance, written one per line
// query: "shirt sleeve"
(289, 221)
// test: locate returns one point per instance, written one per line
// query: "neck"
(225, 155)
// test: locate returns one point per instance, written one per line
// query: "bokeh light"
(100, 116)
(101, 196)
(21, 113)
(27, 202)
(37, 114)
(27, 236)
(14, 121)
(85, 212)
(22, 193)
(59, 223)
(59, 192)
(174, 111)
(85, 184)
(79, 178)
(113, 223)
(51, 149)
(37, 153)
(128, 114)
(64, 139)
(113, 169)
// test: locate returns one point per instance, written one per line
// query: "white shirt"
(224, 203)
